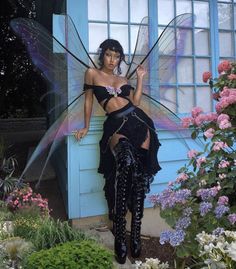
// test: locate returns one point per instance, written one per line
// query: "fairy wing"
(61, 64)
(160, 60)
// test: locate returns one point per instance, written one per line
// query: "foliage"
(25, 198)
(202, 198)
(5, 214)
(7, 169)
(73, 255)
(13, 252)
(46, 233)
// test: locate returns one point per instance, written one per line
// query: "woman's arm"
(136, 98)
(88, 105)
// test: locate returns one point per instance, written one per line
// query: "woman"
(129, 145)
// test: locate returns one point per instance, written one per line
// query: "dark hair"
(113, 45)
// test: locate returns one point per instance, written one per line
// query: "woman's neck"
(107, 71)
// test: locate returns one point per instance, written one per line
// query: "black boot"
(124, 161)
(137, 199)
(137, 214)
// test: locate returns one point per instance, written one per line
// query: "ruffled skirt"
(134, 124)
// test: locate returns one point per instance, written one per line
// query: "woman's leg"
(137, 198)
(123, 154)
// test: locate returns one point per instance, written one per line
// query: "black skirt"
(134, 126)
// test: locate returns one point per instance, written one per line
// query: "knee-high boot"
(137, 200)
(137, 214)
(124, 160)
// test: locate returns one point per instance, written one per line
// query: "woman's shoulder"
(91, 71)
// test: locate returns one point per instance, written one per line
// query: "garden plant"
(200, 204)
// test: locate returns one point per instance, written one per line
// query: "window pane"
(97, 10)
(184, 41)
(226, 50)
(235, 15)
(165, 11)
(202, 42)
(119, 10)
(185, 99)
(183, 6)
(168, 97)
(225, 16)
(166, 69)
(120, 32)
(201, 11)
(185, 70)
(138, 10)
(201, 65)
(134, 33)
(204, 98)
(97, 34)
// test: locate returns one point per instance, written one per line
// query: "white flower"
(232, 250)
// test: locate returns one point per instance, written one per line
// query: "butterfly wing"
(60, 62)
(160, 61)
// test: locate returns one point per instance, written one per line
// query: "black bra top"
(106, 93)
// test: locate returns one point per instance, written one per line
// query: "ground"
(151, 247)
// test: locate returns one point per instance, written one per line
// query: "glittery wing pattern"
(60, 63)
(161, 61)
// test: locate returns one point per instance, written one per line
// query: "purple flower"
(232, 218)
(205, 207)
(183, 223)
(218, 231)
(165, 237)
(220, 210)
(169, 198)
(206, 194)
(177, 237)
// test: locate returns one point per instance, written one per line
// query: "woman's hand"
(141, 71)
(79, 134)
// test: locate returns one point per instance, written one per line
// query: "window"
(207, 40)
(227, 25)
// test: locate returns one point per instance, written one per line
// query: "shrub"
(73, 255)
(13, 252)
(202, 198)
(25, 198)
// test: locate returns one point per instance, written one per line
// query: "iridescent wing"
(61, 64)
(161, 60)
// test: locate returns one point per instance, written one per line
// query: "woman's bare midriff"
(115, 103)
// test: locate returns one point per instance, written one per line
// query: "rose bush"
(202, 197)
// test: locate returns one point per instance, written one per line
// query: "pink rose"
(200, 161)
(218, 145)
(196, 111)
(224, 66)
(206, 76)
(182, 177)
(209, 133)
(186, 122)
(192, 153)
(222, 117)
(224, 124)
(224, 164)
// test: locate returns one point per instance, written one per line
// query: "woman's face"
(111, 59)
